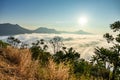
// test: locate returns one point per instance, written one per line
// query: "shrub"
(3, 44)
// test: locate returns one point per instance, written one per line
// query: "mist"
(84, 44)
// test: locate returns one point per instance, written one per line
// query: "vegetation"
(39, 52)
(3, 45)
(108, 59)
(19, 62)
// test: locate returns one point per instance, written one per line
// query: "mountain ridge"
(45, 30)
(13, 29)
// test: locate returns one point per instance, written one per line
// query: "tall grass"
(18, 65)
(19, 61)
(57, 71)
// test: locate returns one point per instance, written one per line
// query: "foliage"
(115, 26)
(65, 63)
(67, 55)
(39, 52)
(3, 44)
(81, 67)
(56, 43)
(13, 41)
(111, 56)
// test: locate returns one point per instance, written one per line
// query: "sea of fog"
(84, 44)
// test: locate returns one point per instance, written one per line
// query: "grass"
(17, 64)
(58, 71)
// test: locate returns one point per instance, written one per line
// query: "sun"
(82, 20)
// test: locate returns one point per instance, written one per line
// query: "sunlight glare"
(82, 20)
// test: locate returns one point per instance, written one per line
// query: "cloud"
(84, 44)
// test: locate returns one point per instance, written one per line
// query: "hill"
(76, 32)
(12, 29)
(81, 32)
(45, 30)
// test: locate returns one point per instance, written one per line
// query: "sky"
(61, 15)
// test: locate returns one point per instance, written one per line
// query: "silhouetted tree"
(111, 55)
(66, 55)
(71, 54)
(13, 41)
(81, 67)
(23, 45)
(56, 43)
(39, 52)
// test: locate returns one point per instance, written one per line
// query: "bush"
(3, 44)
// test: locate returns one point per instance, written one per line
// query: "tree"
(23, 45)
(39, 52)
(66, 55)
(100, 61)
(56, 43)
(13, 41)
(81, 67)
(71, 55)
(111, 55)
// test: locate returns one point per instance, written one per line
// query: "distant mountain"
(45, 30)
(76, 32)
(12, 29)
(81, 32)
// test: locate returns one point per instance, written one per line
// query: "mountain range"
(13, 29)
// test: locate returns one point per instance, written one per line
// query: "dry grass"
(58, 71)
(16, 64)
(54, 71)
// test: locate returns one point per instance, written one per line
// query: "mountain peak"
(81, 32)
(13, 29)
(45, 30)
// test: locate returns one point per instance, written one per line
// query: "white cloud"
(84, 44)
